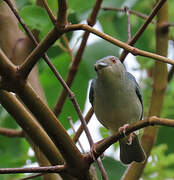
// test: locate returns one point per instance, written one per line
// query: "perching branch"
(102, 145)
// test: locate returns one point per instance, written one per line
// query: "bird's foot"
(123, 128)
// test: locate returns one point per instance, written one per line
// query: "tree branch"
(33, 176)
(11, 132)
(51, 15)
(44, 115)
(47, 169)
(38, 52)
(133, 50)
(136, 13)
(75, 63)
(80, 129)
(30, 126)
(102, 145)
(127, 11)
(143, 27)
(62, 14)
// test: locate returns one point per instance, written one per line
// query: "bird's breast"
(114, 106)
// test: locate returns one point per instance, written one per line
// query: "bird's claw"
(123, 129)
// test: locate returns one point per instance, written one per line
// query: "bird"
(117, 101)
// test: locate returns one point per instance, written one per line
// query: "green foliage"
(36, 18)
(160, 165)
(114, 168)
(13, 152)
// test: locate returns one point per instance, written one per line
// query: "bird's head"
(109, 66)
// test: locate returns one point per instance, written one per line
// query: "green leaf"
(36, 17)
(79, 6)
(114, 169)
(13, 151)
(22, 3)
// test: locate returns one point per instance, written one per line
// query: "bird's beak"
(100, 65)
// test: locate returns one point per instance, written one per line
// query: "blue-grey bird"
(117, 101)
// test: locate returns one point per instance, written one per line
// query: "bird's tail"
(131, 152)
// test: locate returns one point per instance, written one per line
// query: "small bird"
(117, 101)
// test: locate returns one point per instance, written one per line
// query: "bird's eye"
(113, 60)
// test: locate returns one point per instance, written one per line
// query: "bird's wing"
(138, 91)
(91, 92)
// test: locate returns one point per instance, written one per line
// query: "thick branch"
(30, 126)
(45, 116)
(62, 14)
(38, 52)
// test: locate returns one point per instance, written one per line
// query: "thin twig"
(143, 27)
(80, 129)
(61, 46)
(11, 132)
(69, 50)
(33, 176)
(73, 129)
(128, 22)
(136, 13)
(46, 169)
(50, 13)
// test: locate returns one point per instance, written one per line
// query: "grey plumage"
(117, 100)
